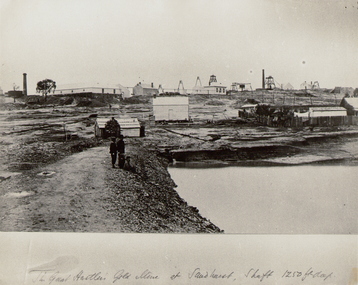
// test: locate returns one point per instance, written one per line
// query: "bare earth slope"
(83, 193)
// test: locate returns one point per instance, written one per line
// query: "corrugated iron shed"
(327, 111)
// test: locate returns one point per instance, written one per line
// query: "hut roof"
(248, 106)
(350, 103)
(170, 100)
(125, 123)
(146, 86)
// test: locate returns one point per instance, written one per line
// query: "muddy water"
(306, 199)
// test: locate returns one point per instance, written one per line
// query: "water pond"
(305, 199)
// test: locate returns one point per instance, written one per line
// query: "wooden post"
(64, 129)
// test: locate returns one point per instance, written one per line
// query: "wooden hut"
(130, 127)
(171, 108)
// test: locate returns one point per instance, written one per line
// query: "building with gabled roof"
(214, 87)
(145, 89)
(130, 127)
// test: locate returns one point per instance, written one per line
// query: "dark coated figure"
(121, 151)
(113, 151)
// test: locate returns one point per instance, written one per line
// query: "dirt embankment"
(83, 193)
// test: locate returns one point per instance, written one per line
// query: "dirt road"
(63, 200)
(83, 193)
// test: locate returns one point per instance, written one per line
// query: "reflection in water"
(306, 199)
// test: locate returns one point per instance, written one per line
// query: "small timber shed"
(327, 112)
(247, 111)
(130, 127)
(327, 116)
(171, 108)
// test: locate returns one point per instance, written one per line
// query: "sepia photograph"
(178, 124)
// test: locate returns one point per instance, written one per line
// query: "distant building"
(214, 87)
(349, 91)
(247, 111)
(145, 89)
(355, 93)
(237, 86)
(327, 112)
(15, 93)
(198, 90)
(79, 90)
(171, 108)
(310, 85)
(288, 86)
(126, 93)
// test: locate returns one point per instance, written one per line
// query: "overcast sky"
(106, 42)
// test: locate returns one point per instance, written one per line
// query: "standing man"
(113, 151)
(121, 151)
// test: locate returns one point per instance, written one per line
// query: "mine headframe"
(315, 85)
(270, 83)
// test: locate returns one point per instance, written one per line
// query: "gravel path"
(83, 193)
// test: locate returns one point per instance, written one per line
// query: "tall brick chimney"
(263, 79)
(24, 91)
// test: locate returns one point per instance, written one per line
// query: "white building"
(327, 112)
(214, 87)
(126, 93)
(145, 89)
(171, 108)
(95, 90)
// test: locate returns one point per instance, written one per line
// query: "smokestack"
(24, 91)
(263, 79)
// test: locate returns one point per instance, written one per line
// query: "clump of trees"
(273, 115)
(45, 87)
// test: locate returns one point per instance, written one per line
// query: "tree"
(46, 86)
(112, 128)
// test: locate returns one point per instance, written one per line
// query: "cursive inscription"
(308, 274)
(81, 276)
(121, 274)
(255, 273)
(56, 278)
(197, 273)
(175, 276)
(147, 275)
